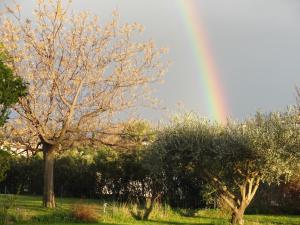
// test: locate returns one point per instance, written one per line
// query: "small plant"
(21, 215)
(84, 213)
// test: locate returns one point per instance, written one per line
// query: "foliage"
(275, 139)
(138, 133)
(4, 164)
(170, 172)
(22, 175)
(73, 175)
(11, 87)
(82, 173)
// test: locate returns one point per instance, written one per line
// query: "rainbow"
(214, 94)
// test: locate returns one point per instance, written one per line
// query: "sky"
(255, 46)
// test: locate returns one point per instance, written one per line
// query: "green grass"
(28, 210)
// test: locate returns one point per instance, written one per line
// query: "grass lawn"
(28, 210)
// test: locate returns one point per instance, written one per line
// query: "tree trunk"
(237, 217)
(248, 190)
(48, 191)
(149, 209)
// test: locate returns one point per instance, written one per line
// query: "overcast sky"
(256, 46)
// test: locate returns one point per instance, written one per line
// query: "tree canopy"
(234, 158)
(81, 76)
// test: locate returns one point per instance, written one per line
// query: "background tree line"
(77, 175)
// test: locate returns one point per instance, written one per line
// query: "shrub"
(84, 213)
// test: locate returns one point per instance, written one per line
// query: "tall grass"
(25, 209)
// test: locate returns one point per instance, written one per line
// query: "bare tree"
(80, 76)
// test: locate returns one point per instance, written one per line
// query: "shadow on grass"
(111, 223)
(186, 212)
(269, 222)
(220, 222)
(54, 217)
(69, 223)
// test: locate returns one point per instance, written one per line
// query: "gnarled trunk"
(48, 189)
(247, 190)
(239, 205)
(237, 217)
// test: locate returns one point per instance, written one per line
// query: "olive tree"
(235, 159)
(81, 76)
